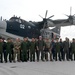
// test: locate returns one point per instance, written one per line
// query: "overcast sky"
(30, 9)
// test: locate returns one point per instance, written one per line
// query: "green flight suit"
(9, 50)
(66, 49)
(32, 51)
(72, 50)
(28, 42)
(41, 45)
(57, 50)
(1, 52)
(24, 47)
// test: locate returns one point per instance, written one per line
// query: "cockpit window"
(17, 20)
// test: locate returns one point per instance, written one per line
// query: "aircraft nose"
(3, 24)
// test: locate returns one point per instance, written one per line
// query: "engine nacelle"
(3, 24)
(74, 20)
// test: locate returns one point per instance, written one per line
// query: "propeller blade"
(41, 16)
(50, 16)
(66, 15)
(70, 10)
(46, 13)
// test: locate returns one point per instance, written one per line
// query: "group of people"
(49, 50)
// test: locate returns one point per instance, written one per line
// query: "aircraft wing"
(62, 22)
(59, 21)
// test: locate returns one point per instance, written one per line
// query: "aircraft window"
(22, 26)
(29, 27)
(11, 20)
(18, 20)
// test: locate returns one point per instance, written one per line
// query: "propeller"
(45, 19)
(70, 17)
(70, 13)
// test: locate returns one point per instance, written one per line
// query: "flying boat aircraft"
(17, 27)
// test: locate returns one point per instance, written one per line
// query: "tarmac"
(38, 68)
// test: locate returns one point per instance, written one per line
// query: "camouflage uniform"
(17, 46)
(47, 47)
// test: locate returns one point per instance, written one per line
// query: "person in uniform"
(28, 55)
(37, 51)
(69, 49)
(9, 48)
(11, 40)
(57, 50)
(24, 47)
(1, 50)
(73, 49)
(40, 47)
(17, 47)
(52, 50)
(4, 49)
(47, 47)
(66, 49)
(61, 49)
(32, 50)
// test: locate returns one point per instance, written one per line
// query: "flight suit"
(37, 51)
(9, 48)
(57, 51)
(4, 50)
(17, 47)
(66, 49)
(41, 45)
(24, 47)
(12, 51)
(72, 50)
(1, 52)
(28, 42)
(61, 50)
(32, 51)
